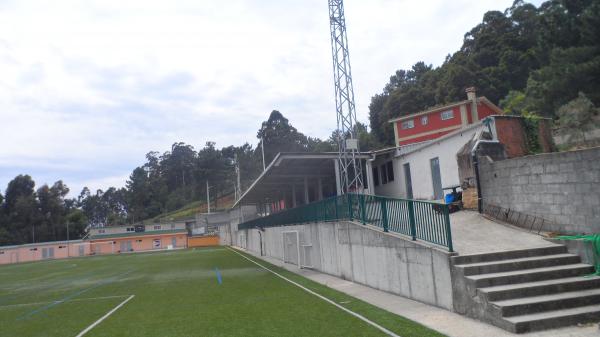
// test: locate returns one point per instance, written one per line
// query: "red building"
(436, 122)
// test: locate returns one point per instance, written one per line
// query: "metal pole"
(448, 229)
(207, 197)
(262, 146)
(68, 243)
(384, 215)
(237, 171)
(479, 197)
(411, 220)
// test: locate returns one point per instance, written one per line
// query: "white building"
(422, 170)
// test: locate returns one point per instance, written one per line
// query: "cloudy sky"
(88, 87)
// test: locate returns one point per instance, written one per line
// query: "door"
(174, 242)
(408, 181)
(81, 250)
(291, 252)
(44, 253)
(14, 257)
(436, 178)
(51, 252)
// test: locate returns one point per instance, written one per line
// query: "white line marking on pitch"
(359, 316)
(86, 330)
(73, 300)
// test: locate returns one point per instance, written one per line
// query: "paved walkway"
(472, 233)
(446, 322)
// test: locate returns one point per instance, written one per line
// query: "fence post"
(363, 207)
(350, 211)
(384, 214)
(448, 229)
(411, 219)
(335, 200)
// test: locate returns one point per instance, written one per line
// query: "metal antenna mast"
(350, 165)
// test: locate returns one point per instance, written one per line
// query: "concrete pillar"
(463, 115)
(306, 197)
(369, 173)
(294, 201)
(472, 96)
(338, 181)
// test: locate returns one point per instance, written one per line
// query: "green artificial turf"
(177, 294)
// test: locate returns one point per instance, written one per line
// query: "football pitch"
(195, 292)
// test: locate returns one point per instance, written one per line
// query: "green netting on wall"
(594, 240)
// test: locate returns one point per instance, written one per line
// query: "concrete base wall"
(360, 254)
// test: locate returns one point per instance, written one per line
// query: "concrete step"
(529, 275)
(517, 264)
(535, 304)
(552, 319)
(538, 288)
(509, 255)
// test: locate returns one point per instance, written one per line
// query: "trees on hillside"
(578, 117)
(279, 135)
(177, 177)
(545, 55)
(28, 215)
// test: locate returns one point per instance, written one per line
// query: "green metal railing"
(420, 220)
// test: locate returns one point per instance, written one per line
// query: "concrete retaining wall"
(363, 255)
(562, 187)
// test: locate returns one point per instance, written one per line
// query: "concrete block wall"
(562, 187)
(364, 255)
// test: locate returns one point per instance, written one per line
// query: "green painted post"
(350, 212)
(335, 200)
(384, 215)
(448, 229)
(411, 219)
(363, 207)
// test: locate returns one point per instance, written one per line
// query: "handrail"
(418, 219)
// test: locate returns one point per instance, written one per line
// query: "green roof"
(132, 234)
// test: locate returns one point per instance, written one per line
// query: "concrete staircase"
(526, 290)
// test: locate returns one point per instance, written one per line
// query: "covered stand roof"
(289, 169)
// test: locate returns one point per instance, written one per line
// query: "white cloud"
(88, 87)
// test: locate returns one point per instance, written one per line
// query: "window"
(33, 249)
(101, 231)
(1, 252)
(376, 176)
(390, 171)
(424, 120)
(157, 227)
(61, 247)
(408, 124)
(384, 177)
(138, 240)
(448, 114)
(130, 229)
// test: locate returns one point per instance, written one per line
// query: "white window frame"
(408, 124)
(448, 114)
(424, 120)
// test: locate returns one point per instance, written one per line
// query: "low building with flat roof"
(131, 238)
